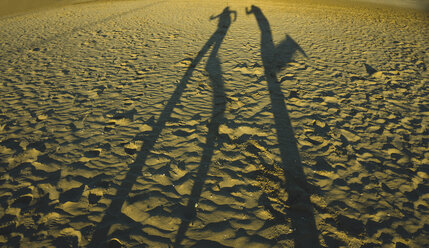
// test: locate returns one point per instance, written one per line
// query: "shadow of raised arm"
(214, 17)
(235, 15)
(252, 9)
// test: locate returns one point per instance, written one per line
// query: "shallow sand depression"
(214, 124)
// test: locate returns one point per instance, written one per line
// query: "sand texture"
(190, 124)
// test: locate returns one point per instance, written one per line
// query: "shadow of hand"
(252, 9)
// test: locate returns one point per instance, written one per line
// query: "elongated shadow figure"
(113, 213)
(273, 59)
(214, 70)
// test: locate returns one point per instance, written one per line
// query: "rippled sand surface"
(186, 123)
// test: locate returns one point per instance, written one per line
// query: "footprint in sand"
(184, 62)
(73, 194)
(119, 118)
(250, 71)
(93, 153)
(131, 148)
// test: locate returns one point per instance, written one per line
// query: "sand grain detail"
(84, 88)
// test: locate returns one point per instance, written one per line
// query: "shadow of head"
(276, 56)
(225, 17)
(253, 10)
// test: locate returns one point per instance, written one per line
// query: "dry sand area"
(190, 124)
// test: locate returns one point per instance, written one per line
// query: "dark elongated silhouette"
(214, 70)
(273, 59)
(113, 213)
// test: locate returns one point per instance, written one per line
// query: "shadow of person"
(113, 213)
(274, 58)
(224, 19)
(214, 70)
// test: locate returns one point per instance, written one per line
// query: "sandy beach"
(197, 123)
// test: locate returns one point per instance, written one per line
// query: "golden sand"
(185, 123)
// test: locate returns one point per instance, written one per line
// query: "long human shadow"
(113, 213)
(274, 58)
(214, 70)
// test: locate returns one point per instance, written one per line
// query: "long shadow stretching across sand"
(113, 213)
(273, 59)
(219, 104)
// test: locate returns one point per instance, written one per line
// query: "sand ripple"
(87, 158)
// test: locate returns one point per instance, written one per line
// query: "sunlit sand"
(196, 123)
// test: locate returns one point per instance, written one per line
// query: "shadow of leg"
(113, 213)
(219, 105)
